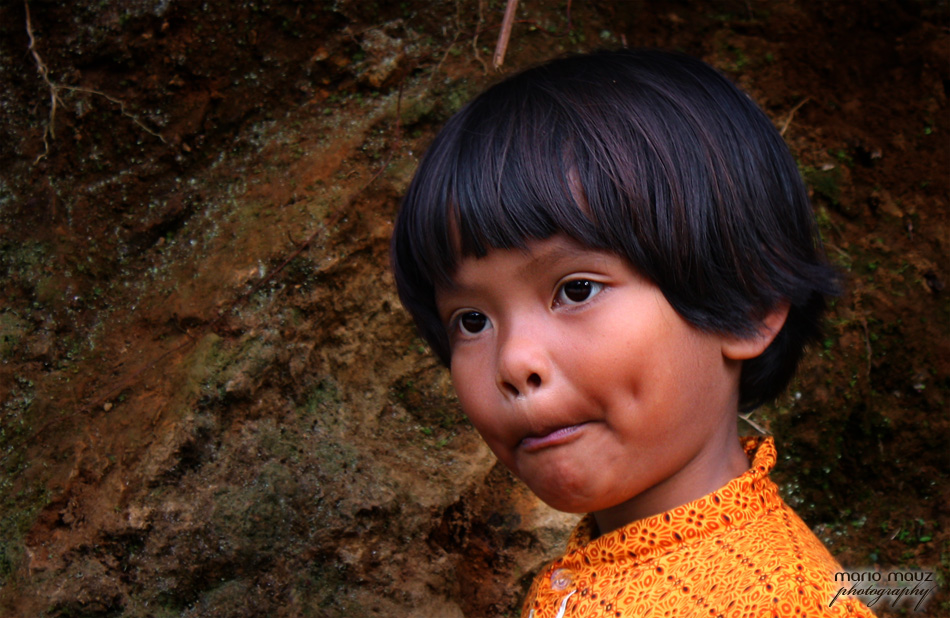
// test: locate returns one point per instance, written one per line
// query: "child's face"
(587, 384)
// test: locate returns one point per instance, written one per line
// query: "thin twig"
(867, 345)
(504, 38)
(791, 114)
(121, 105)
(448, 48)
(747, 418)
(481, 20)
(505, 34)
(49, 131)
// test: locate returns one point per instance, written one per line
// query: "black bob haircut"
(651, 155)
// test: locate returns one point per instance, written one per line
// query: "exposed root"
(481, 20)
(867, 346)
(49, 131)
(448, 48)
(791, 114)
(121, 105)
(505, 35)
(509, 19)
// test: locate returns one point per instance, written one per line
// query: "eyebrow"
(548, 259)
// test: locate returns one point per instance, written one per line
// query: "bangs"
(496, 178)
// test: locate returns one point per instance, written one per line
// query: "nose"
(523, 364)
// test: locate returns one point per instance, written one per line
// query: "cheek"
(480, 405)
(472, 388)
(625, 352)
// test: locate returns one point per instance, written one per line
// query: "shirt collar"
(744, 498)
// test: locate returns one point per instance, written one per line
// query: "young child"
(614, 254)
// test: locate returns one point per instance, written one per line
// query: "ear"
(744, 348)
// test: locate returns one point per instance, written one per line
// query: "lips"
(555, 437)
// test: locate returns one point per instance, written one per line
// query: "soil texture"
(213, 403)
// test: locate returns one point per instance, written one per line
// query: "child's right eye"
(472, 322)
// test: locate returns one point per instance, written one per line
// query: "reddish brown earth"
(212, 403)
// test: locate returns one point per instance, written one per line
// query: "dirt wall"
(212, 402)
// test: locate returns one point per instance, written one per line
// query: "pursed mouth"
(555, 437)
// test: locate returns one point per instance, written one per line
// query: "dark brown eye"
(579, 291)
(472, 322)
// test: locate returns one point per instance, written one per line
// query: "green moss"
(458, 95)
(323, 394)
(12, 331)
(20, 501)
(18, 513)
(824, 182)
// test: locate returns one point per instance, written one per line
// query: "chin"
(564, 492)
(563, 502)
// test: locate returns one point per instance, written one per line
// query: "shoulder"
(782, 569)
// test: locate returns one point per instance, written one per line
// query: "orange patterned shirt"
(739, 552)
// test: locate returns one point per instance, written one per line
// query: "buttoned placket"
(561, 580)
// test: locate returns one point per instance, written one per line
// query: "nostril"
(532, 382)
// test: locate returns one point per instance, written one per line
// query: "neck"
(720, 461)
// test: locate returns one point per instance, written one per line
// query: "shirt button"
(561, 579)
